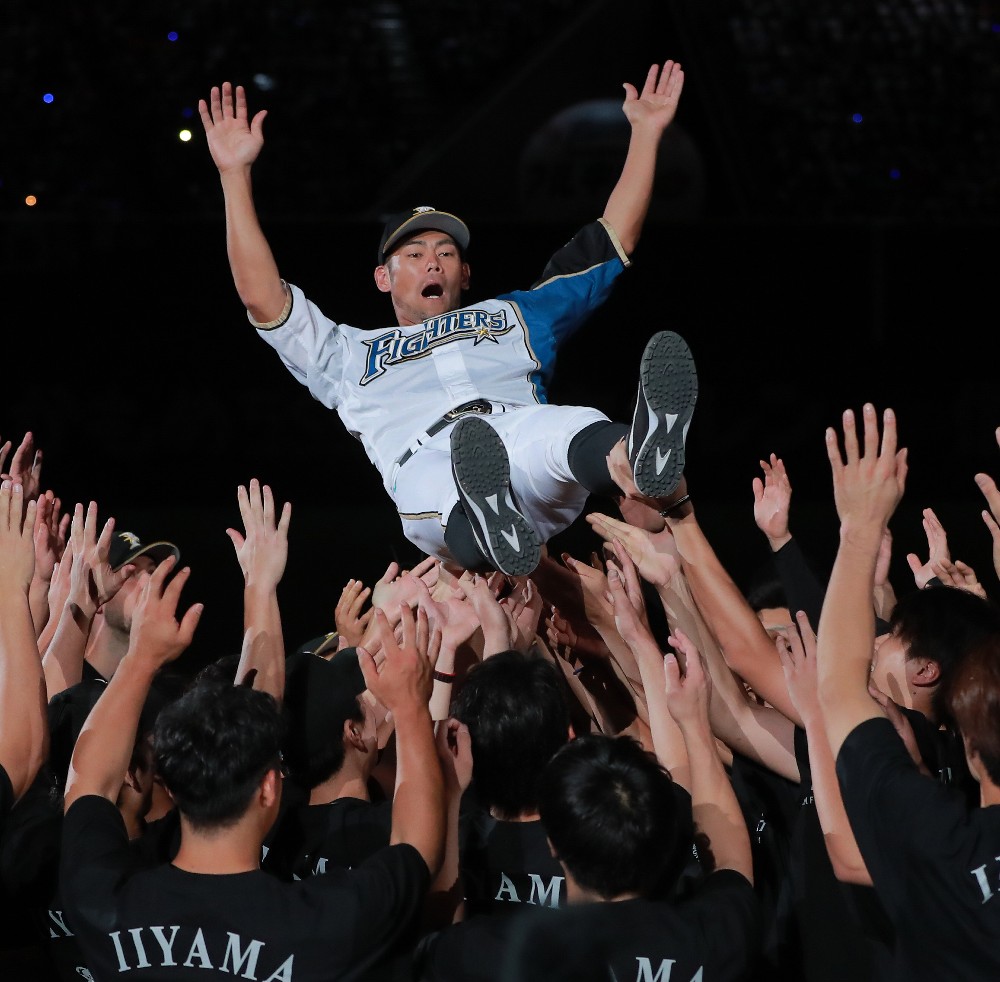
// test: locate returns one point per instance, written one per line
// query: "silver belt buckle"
(475, 406)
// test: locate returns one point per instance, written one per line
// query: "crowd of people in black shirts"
(621, 767)
(614, 767)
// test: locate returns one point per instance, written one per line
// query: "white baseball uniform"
(389, 386)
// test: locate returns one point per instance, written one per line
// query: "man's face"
(890, 669)
(118, 610)
(425, 277)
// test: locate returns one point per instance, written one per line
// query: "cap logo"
(420, 209)
(131, 538)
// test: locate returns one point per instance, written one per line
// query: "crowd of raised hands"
(651, 635)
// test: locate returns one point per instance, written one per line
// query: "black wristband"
(448, 677)
(682, 500)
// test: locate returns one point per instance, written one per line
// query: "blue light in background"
(171, 35)
(48, 98)
(857, 118)
(187, 112)
(895, 174)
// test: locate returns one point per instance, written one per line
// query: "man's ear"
(466, 276)
(270, 788)
(928, 672)
(382, 280)
(132, 780)
(352, 735)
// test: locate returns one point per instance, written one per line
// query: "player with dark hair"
(932, 857)
(516, 709)
(451, 403)
(636, 842)
(218, 752)
(517, 714)
(213, 747)
(331, 748)
(623, 831)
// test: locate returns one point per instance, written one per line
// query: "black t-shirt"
(770, 805)
(471, 950)
(309, 839)
(29, 861)
(826, 930)
(933, 860)
(504, 865)
(712, 935)
(165, 923)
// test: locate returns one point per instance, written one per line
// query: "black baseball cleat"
(668, 390)
(481, 470)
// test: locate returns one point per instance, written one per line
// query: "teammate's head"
(518, 716)
(320, 696)
(930, 630)
(421, 263)
(212, 747)
(971, 697)
(612, 816)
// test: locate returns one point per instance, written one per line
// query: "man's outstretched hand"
(233, 141)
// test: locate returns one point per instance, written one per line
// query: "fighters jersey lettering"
(394, 347)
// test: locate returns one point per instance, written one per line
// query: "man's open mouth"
(433, 291)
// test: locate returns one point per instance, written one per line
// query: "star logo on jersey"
(484, 333)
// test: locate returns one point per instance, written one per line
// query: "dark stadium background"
(823, 233)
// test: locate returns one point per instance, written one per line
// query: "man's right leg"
(481, 468)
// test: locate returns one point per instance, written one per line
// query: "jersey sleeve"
(576, 281)
(310, 346)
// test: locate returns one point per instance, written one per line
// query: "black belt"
(481, 406)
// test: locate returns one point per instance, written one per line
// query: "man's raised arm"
(23, 724)
(102, 751)
(649, 113)
(235, 142)
(403, 682)
(869, 478)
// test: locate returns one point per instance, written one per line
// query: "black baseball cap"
(126, 547)
(406, 223)
(320, 693)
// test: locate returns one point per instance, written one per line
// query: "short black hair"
(972, 696)
(941, 624)
(766, 590)
(516, 709)
(613, 816)
(211, 748)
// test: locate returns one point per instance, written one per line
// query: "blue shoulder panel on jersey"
(577, 279)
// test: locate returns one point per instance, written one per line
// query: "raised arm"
(868, 483)
(235, 142)
(630, 620)
(759, 732)
(262, 553)
(796, 646)
(23, 725)
(649, 113)
(103, 749)
(92, 583)
(716, 811)
(403, 683)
